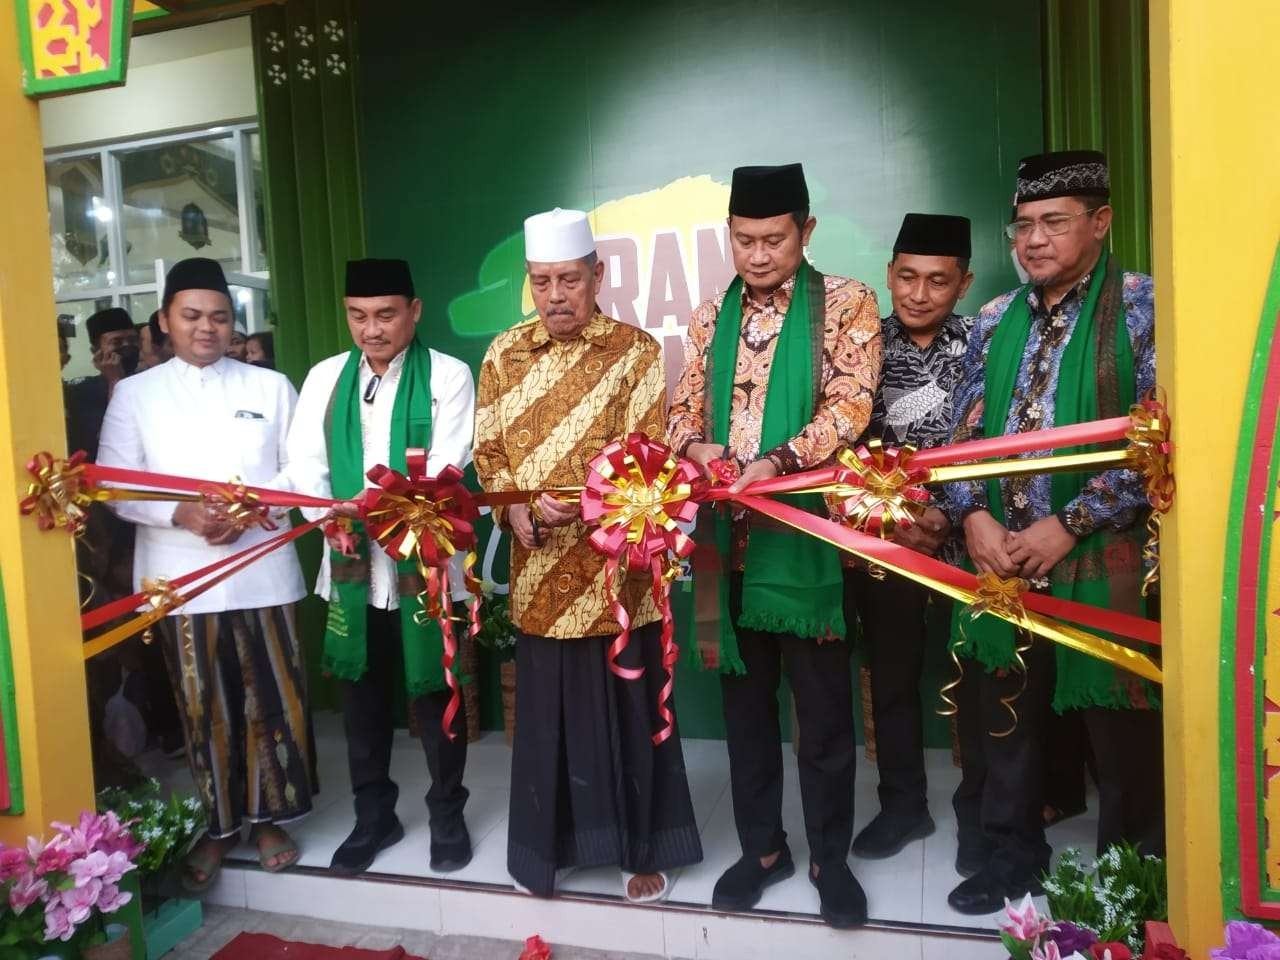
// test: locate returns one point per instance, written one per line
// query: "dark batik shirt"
(1113, 499)
(913, 404)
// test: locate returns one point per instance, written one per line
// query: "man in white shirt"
(357, 410)
(232, 652)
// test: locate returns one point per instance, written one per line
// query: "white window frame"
(109, 161)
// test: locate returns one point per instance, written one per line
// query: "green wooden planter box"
(170, 924)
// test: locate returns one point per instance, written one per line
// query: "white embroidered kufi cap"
(557, 235)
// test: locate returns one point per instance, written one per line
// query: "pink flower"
(26, 890)
(81, 901)
(13, 862)
(55, 858)
(1025, 923)
(112, 898)
(57, 925)
(1050, 951)
(88, 868)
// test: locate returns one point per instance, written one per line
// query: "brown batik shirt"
(851, 355)
(544, 409)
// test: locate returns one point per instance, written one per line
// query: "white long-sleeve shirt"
(453, 399)
(217, 423)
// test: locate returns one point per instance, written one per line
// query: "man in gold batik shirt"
(553, 392)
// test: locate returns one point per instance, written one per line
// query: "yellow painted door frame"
(1216, 220)
(38, 568)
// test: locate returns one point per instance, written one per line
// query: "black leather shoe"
(741, 886)
(367, 840)
(888, 833)
(987, 890)
(972, 852)
(450, 849)
(844, 904)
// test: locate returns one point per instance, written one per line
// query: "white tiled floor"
(910, 888)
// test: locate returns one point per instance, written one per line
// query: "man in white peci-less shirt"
(233, 653)
(357, 410)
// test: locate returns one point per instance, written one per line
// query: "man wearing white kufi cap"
(589, 788)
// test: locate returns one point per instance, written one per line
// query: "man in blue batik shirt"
(1075, 344)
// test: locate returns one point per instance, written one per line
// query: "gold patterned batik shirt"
(851, 357)
(544, 409)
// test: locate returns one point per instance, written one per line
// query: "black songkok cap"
(1067, 173)
(762, 192)
(105, 321)
(379, 278)
(934, 235)
(195, 273)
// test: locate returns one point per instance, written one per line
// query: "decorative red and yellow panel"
(1250, 680)
(71, 45)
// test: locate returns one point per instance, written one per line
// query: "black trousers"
(1003, 782)
(822, 686)
(892, 613)
(588, 786)
(370, 726)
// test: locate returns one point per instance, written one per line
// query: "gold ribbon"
(164, 599)
(882, 499)
(1001, 597)
(236, 504)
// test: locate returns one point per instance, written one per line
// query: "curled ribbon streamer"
(427, 519)
(1151, 450)
(236, 504)
(1002, 597)
(164, 599)
(949, 706)
(637, 493)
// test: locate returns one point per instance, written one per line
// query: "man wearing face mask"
(779, 375)
(360, 409)
(116, 353)
(924, 342)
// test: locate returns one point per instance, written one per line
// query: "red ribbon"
(637, 493)
(428, 519)
(96, 475)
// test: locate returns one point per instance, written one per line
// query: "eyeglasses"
(1054, 225)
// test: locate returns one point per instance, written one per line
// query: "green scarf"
(1095, 381)
(792, 582)
(345, 635)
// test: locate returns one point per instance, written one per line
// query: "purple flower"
(26, 890)
(81, 901)
(57, 925)
(1243, 939)
(1072, 938)
(112, 898)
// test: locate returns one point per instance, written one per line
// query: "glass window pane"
(259, 245)
(180, 201)
(141, 306)
(78, 311)
(78, 219)
(251, 306)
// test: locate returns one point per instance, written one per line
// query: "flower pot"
(121, 948)
(171, 923)
(508, 673)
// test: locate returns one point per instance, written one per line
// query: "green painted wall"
(1096, 96)
(9, 717)
(513, 109)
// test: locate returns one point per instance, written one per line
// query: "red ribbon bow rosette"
(428, 519)
(879, 489)
(637, 493)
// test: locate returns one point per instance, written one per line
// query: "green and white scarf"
(345, 635)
